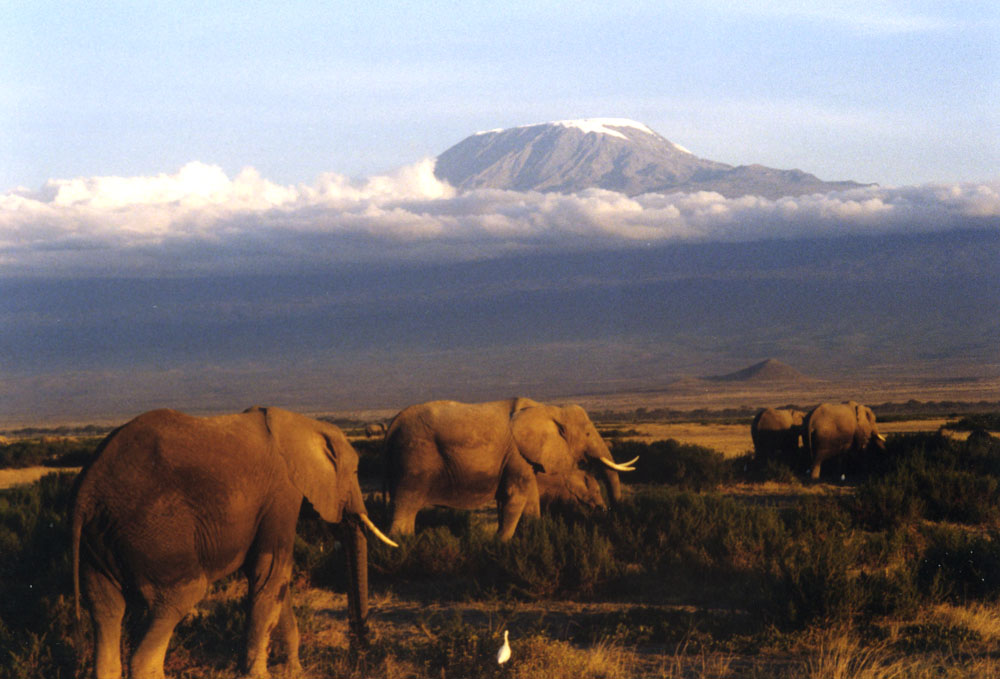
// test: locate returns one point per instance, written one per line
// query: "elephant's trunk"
(600, 454)
(356, 553)
(613, 486)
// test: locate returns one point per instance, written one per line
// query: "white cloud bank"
(199, 219)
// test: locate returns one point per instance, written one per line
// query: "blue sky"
(897, 93)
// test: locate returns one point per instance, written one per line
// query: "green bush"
(371, 459)
(932, 477)
(547, 558)
(35, 582)
(889, 502)
(678, 464)
(813, 581)
(53, 452)
(894, 593)
(701, 536)
(988, 421)
(960, 566)
(428, 554)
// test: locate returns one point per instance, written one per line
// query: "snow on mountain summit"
(604, 126)
(587, 125)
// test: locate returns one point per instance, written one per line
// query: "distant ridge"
(771, 370)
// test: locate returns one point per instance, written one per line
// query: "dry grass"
(983, 619)
(542, 657)
(19, 477)
(732, 440)
(844, 656)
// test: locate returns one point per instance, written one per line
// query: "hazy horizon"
(380, 336)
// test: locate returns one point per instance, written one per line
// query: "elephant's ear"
(315, 455)
(541, 438)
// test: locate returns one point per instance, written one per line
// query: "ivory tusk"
(375, 531)
(625, 467)
(880, 437)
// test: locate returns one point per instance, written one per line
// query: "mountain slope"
(608, 153)
(771, 370)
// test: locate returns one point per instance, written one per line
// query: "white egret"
(503, 655)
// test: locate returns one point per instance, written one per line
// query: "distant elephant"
(171, 503)
(373, 429)
(776, 433)
(833, 429)
(467, 455)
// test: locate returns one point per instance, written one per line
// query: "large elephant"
(832, 429)
(171, 503)
(776, 433)
(467, 455)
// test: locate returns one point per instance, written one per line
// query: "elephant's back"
(450, 423)
(168, 449)
(448, 440)
(829, 423)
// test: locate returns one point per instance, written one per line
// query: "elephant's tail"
(77, 530)
(76, 569)
(807, 436)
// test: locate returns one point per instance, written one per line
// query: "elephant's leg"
(288, 628)
(107, 609)
(517, 491)
(404, 515)
(267, 588)
(532, 504)
(168, 608)
(817, 461)
(510, 514)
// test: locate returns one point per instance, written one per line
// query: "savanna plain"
(714, 565)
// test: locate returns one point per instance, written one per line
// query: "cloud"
(199, 219)
(862, 16)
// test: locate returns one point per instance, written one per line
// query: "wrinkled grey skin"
(833, 429)
(468, 455)
(776, 433)
(171, 503)
(374, 429)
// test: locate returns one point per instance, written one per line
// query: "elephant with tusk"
(833, 429)
(467, 455)
(171, 503)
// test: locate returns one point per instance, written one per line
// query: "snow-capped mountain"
(609, 153)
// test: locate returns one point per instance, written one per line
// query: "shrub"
(888, 503)
(549, 557)
(813, 582)
(987, 421)
(933, 477)
(959, 566)
(35, 602)
(679, 464)
(893, 593)
(701, 536)
(371, 459)
(55, 452)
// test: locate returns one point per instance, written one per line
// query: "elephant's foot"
(258, 671)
